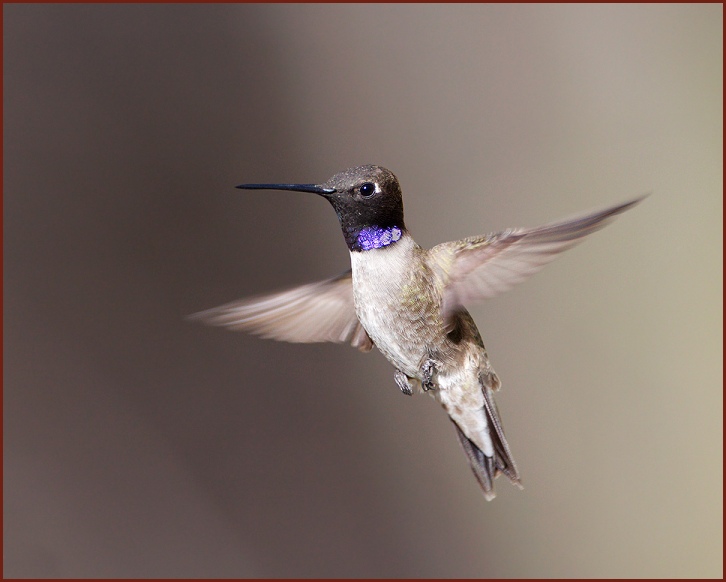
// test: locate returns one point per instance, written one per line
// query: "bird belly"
(388, 330)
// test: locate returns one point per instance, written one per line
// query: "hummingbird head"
(367, 200)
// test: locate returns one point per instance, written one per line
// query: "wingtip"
(627, 205)
(195, 317)
(638, 199)
(206, 317)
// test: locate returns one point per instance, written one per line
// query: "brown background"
(139, 444)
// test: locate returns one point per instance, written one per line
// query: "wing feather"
(318, 312)
(482, 267)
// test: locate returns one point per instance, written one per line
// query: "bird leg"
(403, 382)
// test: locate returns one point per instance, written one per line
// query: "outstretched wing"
(318, 312)
(481, 267)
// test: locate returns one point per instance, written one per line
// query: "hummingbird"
(410, 302)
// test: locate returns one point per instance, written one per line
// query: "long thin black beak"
(314, 188)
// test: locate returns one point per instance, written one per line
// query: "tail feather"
(503, 457)
(481, 465)
(486, 468)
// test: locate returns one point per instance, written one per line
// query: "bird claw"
(428, 369)
(403, 382)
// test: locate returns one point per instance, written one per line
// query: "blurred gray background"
(137, 443)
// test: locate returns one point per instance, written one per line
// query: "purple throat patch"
(375, 237)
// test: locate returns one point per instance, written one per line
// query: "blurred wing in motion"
(318, 312)
(482, 267)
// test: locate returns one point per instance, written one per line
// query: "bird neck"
(373, 237)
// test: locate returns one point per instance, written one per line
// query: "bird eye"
(367, 190)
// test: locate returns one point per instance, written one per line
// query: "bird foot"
(428, 369)
(403, 382)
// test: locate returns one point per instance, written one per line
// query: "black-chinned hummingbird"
(410, 302)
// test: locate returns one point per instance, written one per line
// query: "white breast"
(379, 276)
